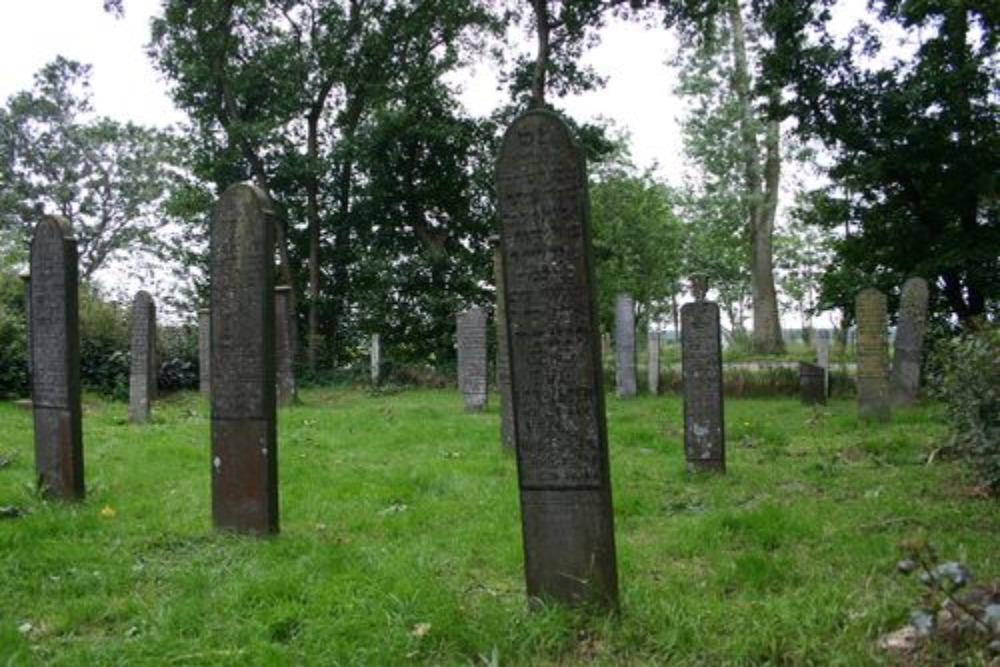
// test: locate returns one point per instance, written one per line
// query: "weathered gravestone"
(812, 384)
(701, 365)
(55, 354)
(558, 398)
(503, 353)
(471, 337)
(26, 279)
(625, 382)
(244, 442)
(873, 356)
(142, 371)
(653, 360)
(375, 355)
(823, 357)
(204, 353)
(905, 375)
(285, 368)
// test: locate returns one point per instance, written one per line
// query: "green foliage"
(13, 336)
(104, 345)
(966, 376)
(177, 353)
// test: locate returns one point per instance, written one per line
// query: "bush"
(177, 352)
(104, 344)
(13, 363)
(965, 374)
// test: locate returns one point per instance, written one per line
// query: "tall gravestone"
(204, 353)
(142, 371)
(625, 382)
(823, 357)
(55, 354)
(556, 378)
(26, 280)
(283, 345)
(653, 360)
(503, 353)
(873, 355)
(375, 356)
(471, 337)
(701, 367)
(812, 384)
(244, 441)
(905, 375)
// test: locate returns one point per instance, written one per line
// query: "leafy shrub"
(13, 363)
(104, 344)
(965, 374)
(177, 351)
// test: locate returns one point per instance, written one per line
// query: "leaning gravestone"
(625, 382)
(204, 353)
(558, 398)
(701, 366)
(142, 372)
(375, 354)
(244, 442)
(285, 368)
(503, 353)
(812, 384)
(873, 356)
(653, 360)
(905, 375)
(55, 354)
(471, 336)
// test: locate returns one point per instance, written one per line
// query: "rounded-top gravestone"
(905, 375)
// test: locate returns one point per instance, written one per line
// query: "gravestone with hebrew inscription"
(55, 354)
(701, 368)
(872, 355)
(471, 337)
(812, 384)
(283, 345)
(558, 398)
(904, 379)
(625, 382)
(204, 353)
(503, 353)
(375, 358)
(244, 441)
(653, 360)
(142, 370)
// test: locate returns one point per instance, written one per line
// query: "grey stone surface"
(26, 280)
(375, 356)
(503, 354)
(625, 382)
(653, 360)
(55, 353)
(142, 372)
(873, 355)
(701, 363)
(558, 398)
(244, 441)
(284, 346)
(204, 353)
(904, 378)
(823, 357)
(812, 384)
(471, 338)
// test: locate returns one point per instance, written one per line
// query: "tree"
(914, 145)
(108, 179)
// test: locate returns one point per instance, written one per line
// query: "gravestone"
(872, 354)
(653, 360)
(503, 353)
(905, 375)
(375, 354)
(142, 371)
(244, 442)
(625, 382)
(812, 384)
(55, 354)
(471, 337)
(285, 368)
(558, 397)
(204, 353)
(823, 357)
(701, 367)
(26, 280)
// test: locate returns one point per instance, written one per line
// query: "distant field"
(400, 541)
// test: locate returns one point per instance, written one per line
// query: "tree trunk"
(761, 197)
(542, 60)
(312, 217)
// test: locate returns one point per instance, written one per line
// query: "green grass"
(400, 541)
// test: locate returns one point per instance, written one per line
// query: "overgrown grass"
(401, 544)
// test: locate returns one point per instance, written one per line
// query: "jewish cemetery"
(471, 333)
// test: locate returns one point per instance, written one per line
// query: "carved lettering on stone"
(873, 355)
(909, 347)
(142, 373)
(471, 337)
(558, 399)
(701, 362)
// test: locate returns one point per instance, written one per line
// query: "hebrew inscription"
(701, 361)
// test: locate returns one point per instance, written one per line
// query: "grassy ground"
(400, 541)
